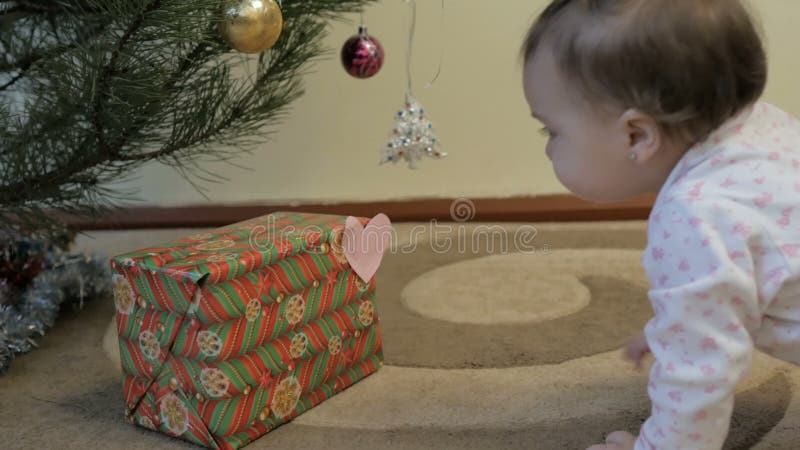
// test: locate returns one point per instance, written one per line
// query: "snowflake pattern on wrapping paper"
(287, 393)
(298, 346)
(295, 308)
(366, 313)
(221, 257)
(209, 342)
(216, 245)
(124, 297)
(214, 382)
(335, 345)
(253, 310)
(174, 414)
(336, 246)
(149, 345)
(361, 285)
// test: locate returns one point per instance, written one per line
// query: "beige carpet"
(487, 347)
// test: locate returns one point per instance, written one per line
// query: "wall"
(328, 148)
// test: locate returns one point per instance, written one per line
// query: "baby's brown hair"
(690, 64)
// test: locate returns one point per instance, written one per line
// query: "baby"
(648, 96)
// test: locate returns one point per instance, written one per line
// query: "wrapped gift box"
(228, 334)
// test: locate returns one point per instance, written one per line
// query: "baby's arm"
(704, 302)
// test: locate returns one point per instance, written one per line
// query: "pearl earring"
(633, 156)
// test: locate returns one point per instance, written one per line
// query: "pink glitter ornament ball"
(362, 55)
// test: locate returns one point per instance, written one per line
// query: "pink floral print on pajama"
(723, 260)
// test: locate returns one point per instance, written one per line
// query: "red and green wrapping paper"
(228, 334)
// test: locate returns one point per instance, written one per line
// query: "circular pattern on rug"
(550, 329)
(547, 293)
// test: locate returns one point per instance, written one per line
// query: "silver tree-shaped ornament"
(413, 136)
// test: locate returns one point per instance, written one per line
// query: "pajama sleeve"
(704, 299)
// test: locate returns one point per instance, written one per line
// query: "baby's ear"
(643, 135)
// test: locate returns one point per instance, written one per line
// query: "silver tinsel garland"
(68, 280)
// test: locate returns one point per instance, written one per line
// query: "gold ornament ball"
(251, 26)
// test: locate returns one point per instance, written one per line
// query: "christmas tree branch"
(24, 64)
(198, 53)
(157, 83)
(108, 152)
(20, 191)
(21, 8)
(49, 7)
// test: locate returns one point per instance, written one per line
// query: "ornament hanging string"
(441, 52)
(411, 31)
(411, 34)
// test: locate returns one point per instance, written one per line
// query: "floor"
(495, 336)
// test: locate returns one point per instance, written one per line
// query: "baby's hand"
(636, 349)
(618, 440)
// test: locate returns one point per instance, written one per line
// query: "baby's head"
(625, 87)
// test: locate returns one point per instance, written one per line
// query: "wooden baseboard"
(550, 208)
